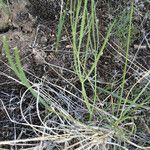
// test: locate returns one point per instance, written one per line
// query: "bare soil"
(32, 29)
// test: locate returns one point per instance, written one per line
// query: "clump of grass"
(80, 137)
(119, 126)
(85, 38)
(127, 107)
(88, 35)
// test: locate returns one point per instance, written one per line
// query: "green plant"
(121, 28)
(17, 68)
(2, 2)
(61, 23)
(116, 120)
(126, 58)
(4, 5)
(86, 31)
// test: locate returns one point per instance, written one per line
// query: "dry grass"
(97, 99)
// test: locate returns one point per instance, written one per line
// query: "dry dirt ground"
(32, 30)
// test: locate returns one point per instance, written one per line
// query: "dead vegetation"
(116, 93)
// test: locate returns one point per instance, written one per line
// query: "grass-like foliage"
(117, 118)
(2, 2)
(126, 57)
(17, 68)
(61, 22)
(88, 35)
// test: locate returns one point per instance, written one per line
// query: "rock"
(4, 20)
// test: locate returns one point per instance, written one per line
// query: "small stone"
(4, 20)
(43, 40)
(39, 56)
